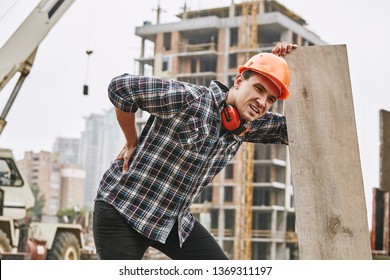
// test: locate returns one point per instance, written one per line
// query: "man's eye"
(271, 100)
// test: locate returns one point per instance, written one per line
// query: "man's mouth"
(254, 109)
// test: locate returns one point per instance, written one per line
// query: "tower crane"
(248, 42)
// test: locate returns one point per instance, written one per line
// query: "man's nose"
(261, 101)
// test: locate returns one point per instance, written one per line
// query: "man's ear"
(237, 81)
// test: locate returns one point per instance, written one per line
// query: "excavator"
(19, 238)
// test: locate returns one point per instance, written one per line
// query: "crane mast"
(248, 42)
(18, 53)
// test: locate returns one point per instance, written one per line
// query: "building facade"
(72, 186)
(43, 170)
(62, 185)
(69, 176)
(90, 155)
(68, 149)
(208, 45)
(101, 141)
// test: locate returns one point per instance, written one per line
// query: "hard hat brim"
(284, 93)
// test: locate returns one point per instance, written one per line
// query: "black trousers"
(115, 239)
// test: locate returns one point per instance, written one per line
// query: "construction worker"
(144, 197)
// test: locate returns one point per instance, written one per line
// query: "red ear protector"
(232, 121)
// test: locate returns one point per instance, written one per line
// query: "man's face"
(254, 96)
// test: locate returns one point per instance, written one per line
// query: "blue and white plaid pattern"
(179, 152)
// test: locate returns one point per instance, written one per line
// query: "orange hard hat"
(271, 66)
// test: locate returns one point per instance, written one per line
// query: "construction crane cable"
(93, 23)
(85, 89)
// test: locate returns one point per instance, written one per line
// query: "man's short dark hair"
(247, 74)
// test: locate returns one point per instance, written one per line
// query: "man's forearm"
(127, 123)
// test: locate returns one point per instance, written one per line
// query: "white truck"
(20, 238)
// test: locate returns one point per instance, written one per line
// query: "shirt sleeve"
(162, 98)
(269, 129)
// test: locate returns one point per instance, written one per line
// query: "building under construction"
(380, 232)
(249, 206)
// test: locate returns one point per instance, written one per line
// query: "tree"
(37, 210)
(71, 215)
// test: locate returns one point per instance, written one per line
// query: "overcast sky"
(51, 103)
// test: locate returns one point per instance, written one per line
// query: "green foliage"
(72, 214)
(35, 213)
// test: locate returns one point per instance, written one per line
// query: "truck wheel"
(5, 244)
(65, 247)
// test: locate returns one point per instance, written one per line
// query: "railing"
(227, 232)
(288, 236)
(261, 46)
(197, 47)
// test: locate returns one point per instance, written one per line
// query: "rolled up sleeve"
(269, 129)
(159, 97)
(120, 93)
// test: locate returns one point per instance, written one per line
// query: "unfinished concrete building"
(209, 45)
(380, 232)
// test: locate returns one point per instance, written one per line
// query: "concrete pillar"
(141, 64)
(273, 229)
(384, 151)
(286, 36)
(175, 48)
(223, 57)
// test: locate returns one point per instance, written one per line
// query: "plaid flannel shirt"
(179, 151)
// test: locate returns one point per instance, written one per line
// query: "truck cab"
(17, 195)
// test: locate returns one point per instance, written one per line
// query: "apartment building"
(62, 185)
(68, 149)
(72, 186)
(43, 170)
(206, 45)
(101, 141)
(90, 155)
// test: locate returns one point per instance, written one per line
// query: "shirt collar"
(220, 92)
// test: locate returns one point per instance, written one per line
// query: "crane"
(248, 43)
(18, 53)
(18, 234)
